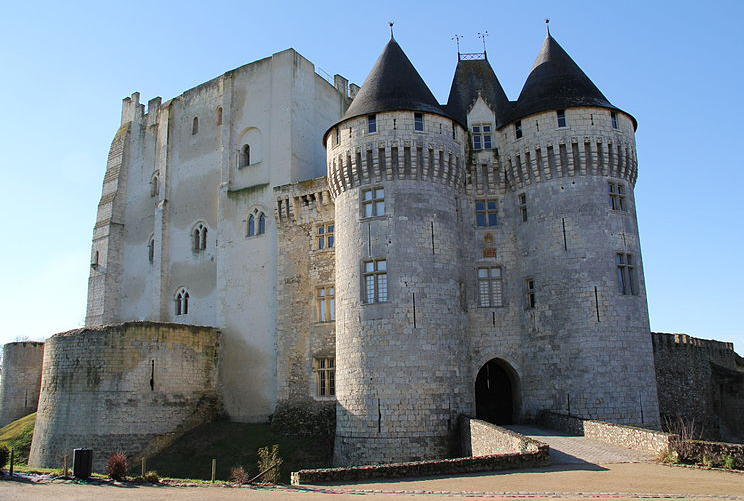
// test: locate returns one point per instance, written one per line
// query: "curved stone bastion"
(19, 388)
(131, 387)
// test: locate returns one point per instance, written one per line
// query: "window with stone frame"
(522, 197)
(325, 236)
(626, 274)
(325, 376)
(155, 185)
(561, 116)
(182, 302)
(482, 136)
(518, 129)
(418, 122)
(617, 196)
(199, 238)
(375, 281)
(256, 224)
(486, 212)
(325, 303)
(490, 287)
(531, 300)
(613, 119)
(373, 202)
(371, 124)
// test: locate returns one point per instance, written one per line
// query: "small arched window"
(154, 185)
(262, 224)
(151, 249)
(199, 237)
(245, 155)
(256, 223)
(218, 117)
(251, 225)
(195, 126)
(182, 302)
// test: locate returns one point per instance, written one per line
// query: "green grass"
(233, 444)
(17, 435)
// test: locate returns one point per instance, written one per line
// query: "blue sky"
(677, 67)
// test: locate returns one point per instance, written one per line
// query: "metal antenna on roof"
(547, 25)
(457, 38)
(483, 36)
(391, 23)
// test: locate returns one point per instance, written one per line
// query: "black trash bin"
(82, 462)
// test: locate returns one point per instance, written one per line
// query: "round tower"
(570, 164)
(21, 380)
(395, 167)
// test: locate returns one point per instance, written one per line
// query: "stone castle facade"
(364, 252)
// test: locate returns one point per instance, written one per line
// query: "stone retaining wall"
(639, 439)
(479, 438)
(540, 457)
(696, 450)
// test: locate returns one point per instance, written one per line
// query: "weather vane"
(457, 38)
(547, 25)
(483, 36)
(391, 23)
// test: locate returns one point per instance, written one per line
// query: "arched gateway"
(496, 392)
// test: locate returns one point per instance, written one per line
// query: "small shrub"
(116, 466)
(238, 475)
(152, 477)
(669, 456)
(728, 462)
(269, 462)
(4, 455)
(707, 461)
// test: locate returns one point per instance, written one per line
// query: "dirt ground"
(614, 481)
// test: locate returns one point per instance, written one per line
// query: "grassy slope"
(233, 444)
(18, 436)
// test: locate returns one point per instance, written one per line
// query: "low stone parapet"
(479, 438)
(639, 439)
(495, 462)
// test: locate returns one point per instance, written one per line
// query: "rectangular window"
(490, 289)
(561, 118)
(325, 376)
(486, 213)
(477, 139)
(325, 236)
(613, 117)
(375, 281)
(373, 202)
(530, 291)
(338, 136)
(518, 129)
(325, 301)
(418, 122)
(617, 196)
(487, 143)
(482, 137)
(371, 124)
(523, 206)
(626, 279)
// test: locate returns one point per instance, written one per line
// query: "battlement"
(298, 203)
(664, 340)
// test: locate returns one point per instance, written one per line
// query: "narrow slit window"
(518, 129)
(371, 124)
(613, 118)
(195, 126)
(530, 292)
(523, 206)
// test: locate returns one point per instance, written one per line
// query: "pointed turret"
(556, 82)
(393, 84)
(472, 77)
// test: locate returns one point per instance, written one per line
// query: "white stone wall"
(21, 380)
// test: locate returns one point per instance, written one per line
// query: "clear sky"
(675, 66)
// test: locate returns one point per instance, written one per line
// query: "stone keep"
(21, 380)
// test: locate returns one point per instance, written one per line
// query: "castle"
(270, 245)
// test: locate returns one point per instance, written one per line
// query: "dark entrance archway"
(495, 392)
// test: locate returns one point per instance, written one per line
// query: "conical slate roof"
(472, 77)
(556, 82)
(393, 84)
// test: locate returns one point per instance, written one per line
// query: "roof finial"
(483, 36)
(457, 38)
(391, 23)
(547, 25)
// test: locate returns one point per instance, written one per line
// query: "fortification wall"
(699, 381)
(21, 380)
(129, 387)
(306, 326)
